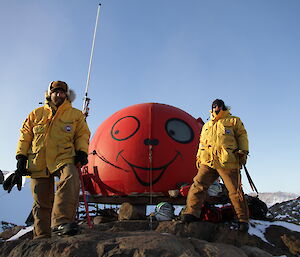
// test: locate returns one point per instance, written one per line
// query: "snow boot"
(66, 229)
(243, 226)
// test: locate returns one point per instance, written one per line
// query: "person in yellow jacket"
(223, 149)
(54, 142)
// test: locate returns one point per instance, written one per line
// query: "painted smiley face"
(128, 126)
(143, 148)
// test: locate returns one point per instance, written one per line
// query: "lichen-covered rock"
(255, 252)
(143, 244)
(8, 233)
(287, 211)
(142, 238)
(292, 242)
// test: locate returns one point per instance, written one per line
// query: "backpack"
(258, 210)
(164, 211)
(225, 213)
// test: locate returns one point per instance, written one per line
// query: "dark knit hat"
(58, 85)
(220, 103)
(61, 85)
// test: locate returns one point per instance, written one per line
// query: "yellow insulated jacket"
(50, 137)
(220, 139)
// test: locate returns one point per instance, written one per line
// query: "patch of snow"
(222, 205)
(258, 227)
(21, 233)
(178, 209)
(287, 225)
(282, 216)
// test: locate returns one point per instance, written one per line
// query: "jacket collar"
(50, 105)
(220, 115)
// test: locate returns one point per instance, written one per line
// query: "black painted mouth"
(162, 168)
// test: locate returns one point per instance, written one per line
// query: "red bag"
(184, 190)
(216, 214)
(210, 213)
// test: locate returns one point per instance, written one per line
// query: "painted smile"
(161, 170)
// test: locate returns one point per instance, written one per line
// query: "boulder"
(292, 242)
(8, 233)
(255, 252)
(105, 215)
(130, 211)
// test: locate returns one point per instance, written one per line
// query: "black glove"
(21, 165)
(16, 177)
(242, 157)
(81, 158)
(13, 179)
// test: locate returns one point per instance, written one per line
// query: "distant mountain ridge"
(276, 197)
(284, 206)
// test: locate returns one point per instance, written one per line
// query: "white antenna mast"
(86, 100)
(85, 111)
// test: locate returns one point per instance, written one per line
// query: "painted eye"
(125, 128)
(179, 131)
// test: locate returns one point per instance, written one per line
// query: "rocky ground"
(135, 236)
(142, 238)
(287, 211)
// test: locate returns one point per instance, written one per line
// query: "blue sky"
(181, 53)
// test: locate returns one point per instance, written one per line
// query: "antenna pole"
(86, 101)
(85, 111)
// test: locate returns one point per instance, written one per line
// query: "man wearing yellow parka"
(223, 148)
(54, 142)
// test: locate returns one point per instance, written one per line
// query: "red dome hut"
(143, 148)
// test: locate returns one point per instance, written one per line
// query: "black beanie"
(219, 103)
